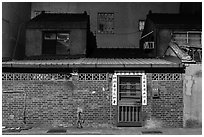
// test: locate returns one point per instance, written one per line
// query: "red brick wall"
(53, 103)
(168, 107)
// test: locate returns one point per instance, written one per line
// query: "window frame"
(136, 97)
(140, 24)
(55, 42)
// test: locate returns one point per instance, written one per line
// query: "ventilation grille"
(166, 76)
(34, 76)
(92, 76)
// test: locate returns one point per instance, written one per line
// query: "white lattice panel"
(10, 76)
(34, 76)
(166, 76)
(92, 76)
(103, 76)
(4, 76)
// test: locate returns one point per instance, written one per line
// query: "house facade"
(113, 87)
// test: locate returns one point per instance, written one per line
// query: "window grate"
(166, 76)
(105, 23)
(129, 114)
(34, 76)
(92, 76)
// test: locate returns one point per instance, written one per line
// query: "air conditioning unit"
(148, 45)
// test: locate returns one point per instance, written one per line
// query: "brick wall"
(94, 99)
(55, 102)
(168, 107)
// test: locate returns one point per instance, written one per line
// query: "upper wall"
(126, 17)
(14, 17)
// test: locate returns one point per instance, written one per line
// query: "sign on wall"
(144, 90)
(114, 90)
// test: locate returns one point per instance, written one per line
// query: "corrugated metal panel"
(92, 63)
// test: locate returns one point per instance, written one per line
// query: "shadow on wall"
(91, 43)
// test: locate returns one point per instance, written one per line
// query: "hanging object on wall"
(114, 90)
(144, 90)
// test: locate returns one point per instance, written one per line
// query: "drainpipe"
(24, 109)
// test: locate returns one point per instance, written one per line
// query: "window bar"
(122, 113)
(129, 113)
(126, 115)
(136, 114)
(132, 111)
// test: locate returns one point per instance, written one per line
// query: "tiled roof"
(59, 21)
(58, 17)
(93, 63)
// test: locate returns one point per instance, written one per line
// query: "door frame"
(129, 124)
(143, 80)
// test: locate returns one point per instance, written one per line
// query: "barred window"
(105, 23)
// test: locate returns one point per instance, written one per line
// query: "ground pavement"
(110, 131)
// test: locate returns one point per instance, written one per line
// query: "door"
(129, 101)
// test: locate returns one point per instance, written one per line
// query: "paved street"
(113, 131)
